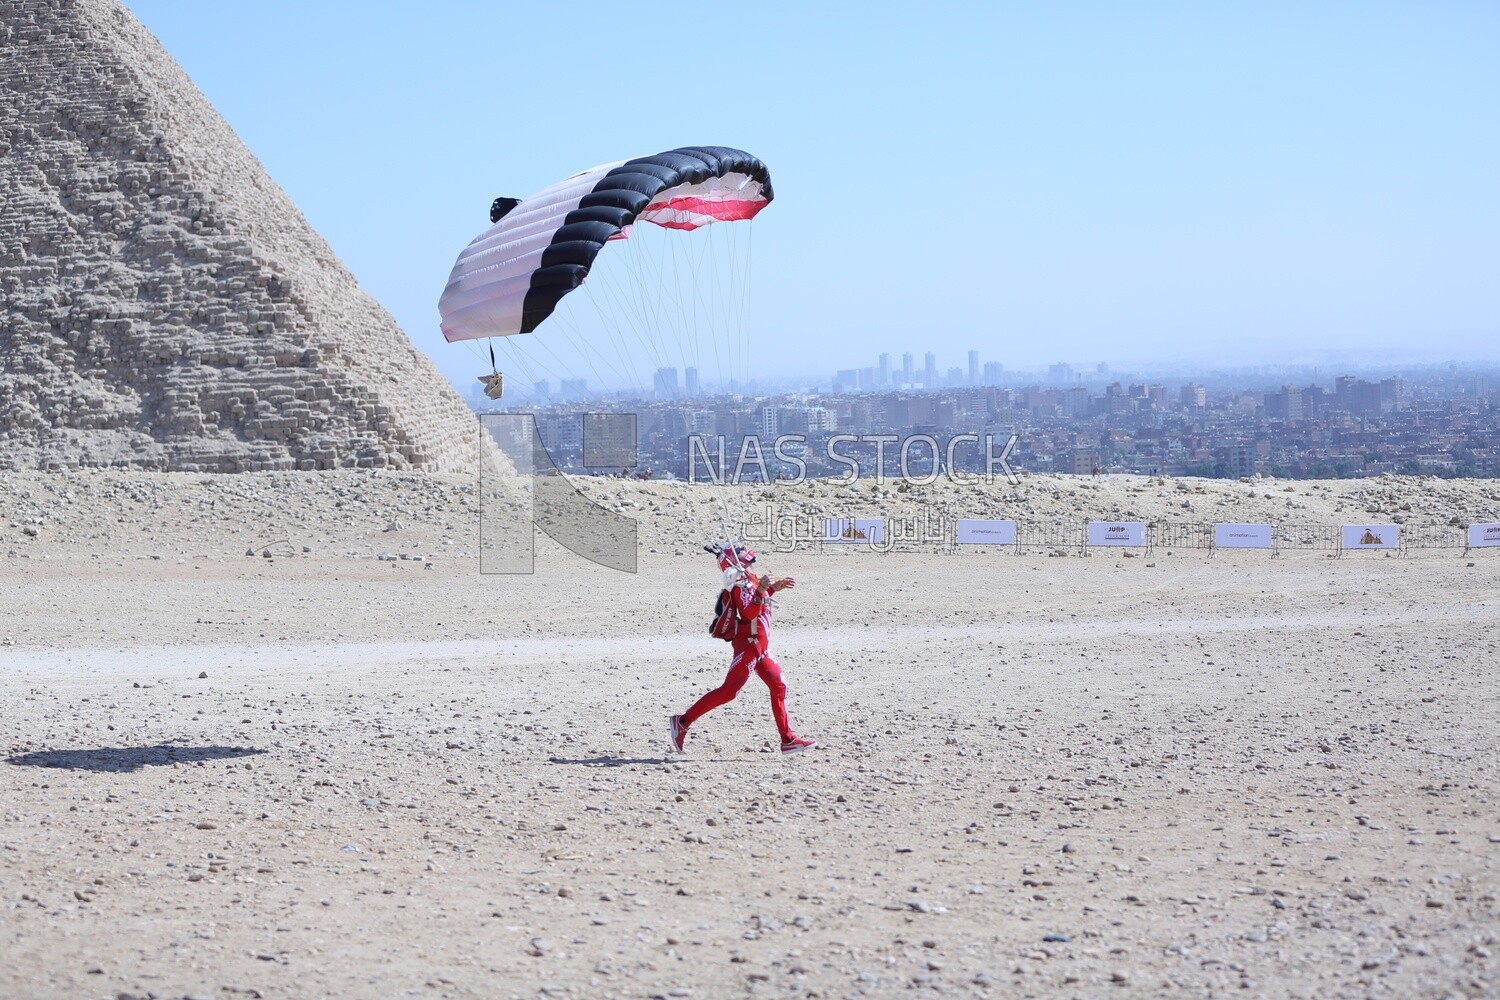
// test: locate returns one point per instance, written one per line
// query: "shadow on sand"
(127, 758)
(609, 761)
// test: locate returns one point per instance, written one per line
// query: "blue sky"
(1137, 184)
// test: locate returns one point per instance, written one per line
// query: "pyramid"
(163, 303)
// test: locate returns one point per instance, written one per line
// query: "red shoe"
(797, 744)
(679, 734)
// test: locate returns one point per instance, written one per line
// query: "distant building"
(973, 367)
(955, 377)
(690, 381)
(1060, 374)
(573, 388)
(908, 374)
(1194, 397)
(992, 372)
(665, 383)
(819, 420)
(542, 389)
(1083, 461)
(1356, 397)
(885, 369)
(770, 423)
(929, 370)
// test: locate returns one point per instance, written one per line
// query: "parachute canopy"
(510, 278)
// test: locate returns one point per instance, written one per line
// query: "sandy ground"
(1038, 776)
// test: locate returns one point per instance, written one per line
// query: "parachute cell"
(511, 277)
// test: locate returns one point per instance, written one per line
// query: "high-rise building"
(769, 422)
(1060, 373)
(665, 383)
(992, 371)
(1194, 397)
(929, 370)
(908, 375)
(973, 367)
(885, 369)
(955, 376)
(542, 389)
(573, 388)
(690, 381)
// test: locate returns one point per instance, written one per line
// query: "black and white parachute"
(511, 277)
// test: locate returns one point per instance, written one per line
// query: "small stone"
(203, 675)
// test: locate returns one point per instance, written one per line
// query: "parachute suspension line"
(690, 306)
(648, 287)
(613, 290)
(566, 369)
(575, 340)
(744, 319)
(517, 361)
(569, 320)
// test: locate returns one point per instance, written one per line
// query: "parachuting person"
(743, 618)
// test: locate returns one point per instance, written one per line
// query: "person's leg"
(770, 672)
(739, 673)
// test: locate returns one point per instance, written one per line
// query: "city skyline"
(1434, 423)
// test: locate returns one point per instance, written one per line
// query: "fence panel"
(1434, 536)
(1051, 535)
(1180, 536)
(1308, 537)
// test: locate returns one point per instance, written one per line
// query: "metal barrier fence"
(1307, 537)
(1161, 535)
(933, 532)
(1052, 536)
(1434, 536)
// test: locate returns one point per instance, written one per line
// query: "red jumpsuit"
(751, 640)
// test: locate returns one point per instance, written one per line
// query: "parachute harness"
(494, 383)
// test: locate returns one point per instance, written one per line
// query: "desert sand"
(312, 771)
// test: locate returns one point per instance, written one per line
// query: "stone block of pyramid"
(163, 303)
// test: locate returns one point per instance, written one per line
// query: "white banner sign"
(1484, 536)
(973, 531)
(1123, 533)
(1242, 536)
(1371, 536)
(869, 530)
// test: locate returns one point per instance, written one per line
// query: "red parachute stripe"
(723, 211)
